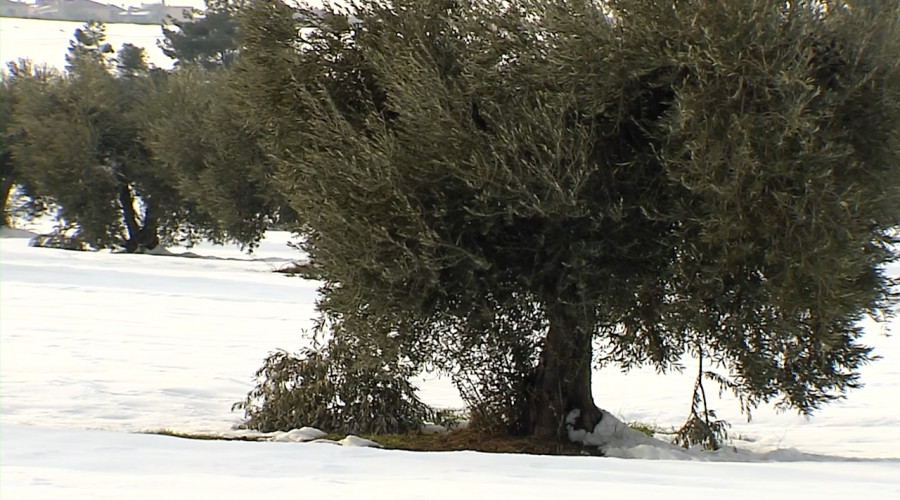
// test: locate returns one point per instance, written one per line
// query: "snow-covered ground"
(96, 348)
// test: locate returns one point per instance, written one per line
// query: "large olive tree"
(515, 191)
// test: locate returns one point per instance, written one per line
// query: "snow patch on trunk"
(616, 439)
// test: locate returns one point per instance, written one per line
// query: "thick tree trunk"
(138, 238)
(130, 218)
(563, 379)
(5, 191)
(150, 232)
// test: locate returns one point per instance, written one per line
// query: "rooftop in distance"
(89, 10)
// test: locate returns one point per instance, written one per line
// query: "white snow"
(359, 442)
(99, 348)
(11, 232)
(616, 438)
(300, 435)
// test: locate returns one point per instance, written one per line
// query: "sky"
(199, 4)
(47, 41)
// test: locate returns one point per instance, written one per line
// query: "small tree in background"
(16, 73)
(198, 133)
(7, 165)
(81, 146)
(134, 156)
(207, 38)
(197, 128)
(544, 185)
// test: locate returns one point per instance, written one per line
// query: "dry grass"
(459, 440)
(466, 439)
(203, 437)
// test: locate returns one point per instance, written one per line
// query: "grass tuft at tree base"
(458, 440)
(471, 440)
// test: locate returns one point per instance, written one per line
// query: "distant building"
(89, 10)
(155, 13)
(13, 9)
(77, 10)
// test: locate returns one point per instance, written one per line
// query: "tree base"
(550, 421)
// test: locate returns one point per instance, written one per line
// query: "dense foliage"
(12, 176)
(544, 185)
(207, 38)
(344, 388)
(212, 154)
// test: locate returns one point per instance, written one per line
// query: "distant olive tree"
(519, 192)
(212, 154)
(207, 37)
(13, 77)
(81, 146)
(133, 156)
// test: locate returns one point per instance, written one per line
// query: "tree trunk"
(5, 191)
(149, 233)
(563, 379)
(139, 238)
(132, 240)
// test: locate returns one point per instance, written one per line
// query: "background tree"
(17, 73)
(198, 133)
(511, 192)
(208, 37)
(134, 156)
(7, 167)
(82, 146)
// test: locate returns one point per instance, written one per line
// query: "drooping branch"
(702, 427)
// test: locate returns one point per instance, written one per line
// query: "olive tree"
(14, 76)
(81, 145)
(206, 37)
(212, 154)
(519, 192)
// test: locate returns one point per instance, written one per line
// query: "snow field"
(99, 347)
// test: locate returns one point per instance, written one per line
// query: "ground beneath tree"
(98, 348)
(465, 439)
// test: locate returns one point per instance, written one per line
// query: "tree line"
(131, 156)
(512, 193)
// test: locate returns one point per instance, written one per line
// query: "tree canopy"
(82, 146)
(515, 192)
(12, 174)
(133, 156)
(207, 38)
(211, 152)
